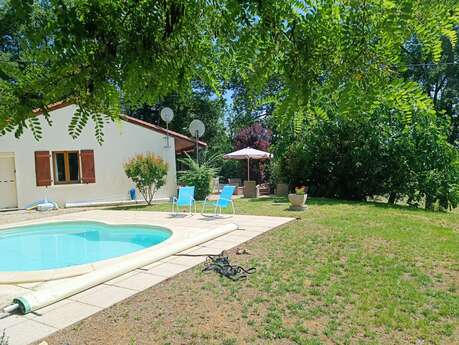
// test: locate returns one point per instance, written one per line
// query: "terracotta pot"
(297, 200)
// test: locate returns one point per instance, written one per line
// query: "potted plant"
(298, 198)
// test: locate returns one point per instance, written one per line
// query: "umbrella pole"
(248, 168)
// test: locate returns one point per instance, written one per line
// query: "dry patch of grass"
(344, 273)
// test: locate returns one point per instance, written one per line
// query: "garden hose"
(220, 264)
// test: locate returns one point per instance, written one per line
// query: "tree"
(305, 62)
(148, 172)
(201, 104)
(356, 158)
(95, 52)
(439, 81)
(248, 108)
(257, 137)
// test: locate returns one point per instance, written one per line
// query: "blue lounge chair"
(224, 200)
(185, 199)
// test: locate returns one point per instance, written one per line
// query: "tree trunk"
(429, 203)
(444, 203)
(149, 195)
(392, 198)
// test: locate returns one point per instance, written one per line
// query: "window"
(66, 167)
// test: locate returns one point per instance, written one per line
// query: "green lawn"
(345, 273)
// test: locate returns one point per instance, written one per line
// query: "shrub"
(380, 154)
(148, 172)
(232, 169)
(199, 175)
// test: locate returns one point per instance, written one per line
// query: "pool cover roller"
(49, 295)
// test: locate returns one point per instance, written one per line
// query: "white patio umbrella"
(248, 153)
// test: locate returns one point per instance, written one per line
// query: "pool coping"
(32, 327)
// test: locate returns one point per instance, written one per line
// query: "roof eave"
(180, 138)
(187, 143)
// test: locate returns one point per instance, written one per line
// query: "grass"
(343, 273)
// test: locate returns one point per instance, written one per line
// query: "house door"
(8, 195)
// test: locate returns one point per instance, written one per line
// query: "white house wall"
(121, 141)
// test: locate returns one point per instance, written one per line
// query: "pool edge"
(45, 296)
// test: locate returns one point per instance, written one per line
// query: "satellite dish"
(167, 114)
(197, 127)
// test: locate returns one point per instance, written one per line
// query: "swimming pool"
(59, 245)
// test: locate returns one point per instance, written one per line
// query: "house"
(66, 170)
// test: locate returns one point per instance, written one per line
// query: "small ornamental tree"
(255, 136)
(148, 172)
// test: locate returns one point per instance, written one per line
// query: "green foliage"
(439, 81)
(276, 172)
(232, 168)
(201, 104)
(247, 108)
(324, 69)
(148, 172)
(199, 175)
(95, 52)
(359, 157)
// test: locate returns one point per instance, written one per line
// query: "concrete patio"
(34, 326)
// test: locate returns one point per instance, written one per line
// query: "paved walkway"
(7, 217)
(34, 326)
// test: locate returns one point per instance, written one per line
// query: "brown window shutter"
(42, 169)
(88, 173)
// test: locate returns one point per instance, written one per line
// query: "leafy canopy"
(92, 52)
(440, 81)
(357, 158)
(201, 104)
(98, 52)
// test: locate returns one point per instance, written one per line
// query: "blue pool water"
(58, 245)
